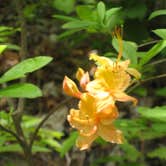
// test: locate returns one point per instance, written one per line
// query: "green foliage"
(46, 137)
(92, 19)
(66, 6)
(129, 50)
(157, 13)
(21, 90)
(24, 67)
(130, 149)
(157, 113)
(2, 48)
(68, 143)
(159, 152)
(152, 52)
(161, 33)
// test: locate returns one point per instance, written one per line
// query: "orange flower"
(70, 88)
(82, 77)
(95, 118)
(112, 77)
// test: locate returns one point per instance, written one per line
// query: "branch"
(45, 119)
(148, 43)
(144, 81)
(12, 133)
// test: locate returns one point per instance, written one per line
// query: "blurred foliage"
(70, 26)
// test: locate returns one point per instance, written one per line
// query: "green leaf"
(22, 90)
(113, 17)
(66, 6)
(10, 148)
(53, 143)
(159, 152)
(2, 48)
(38, 148)
(161, 33)
(152, 52)
(68, 143)
(130, 149)
(24, 67)
(161, 92)
(68, 33)
(65, 18)
(129, 50)
(101, 11)
(46, 133)
(109, 13)
(30, 121)
(13, 47)
(78, 24)
(86, 12)
(156, 113)
(157, 13)
(17, 148)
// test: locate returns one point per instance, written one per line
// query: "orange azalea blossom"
(95, 118)
(69, 86)
(112, 77)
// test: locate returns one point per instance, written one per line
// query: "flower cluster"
(96, 109)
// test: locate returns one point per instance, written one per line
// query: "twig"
(158, 62)
(45, 119)
(11, 132)
(144, 81)
(148, 43)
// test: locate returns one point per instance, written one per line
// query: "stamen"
(118, 33)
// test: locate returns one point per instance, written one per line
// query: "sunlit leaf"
(152, 52)
(101, 11)
(159, 152)
(2, 48)
(157, 13)
(78, 24)
(68, 143)
(129, 50)
(156, 113)
(161, 33)
(21, 90)
(66, 6)
(24, 67)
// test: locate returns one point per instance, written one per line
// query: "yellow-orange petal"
(79, 74)
(134, 73)
(108, 114)
(86, 127)
(110, 133)
(84, 80)
(121, 96)
(100, 60)
(96, 86)
(84, 142)
(70, 88)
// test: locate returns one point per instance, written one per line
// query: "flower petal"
(121, 96)
(70, 88)
(84, 142)
(100, 59)
(110, 133)
(84, 80)
(108, 114)
(80, 72)
(86, 127)
(134, 73)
